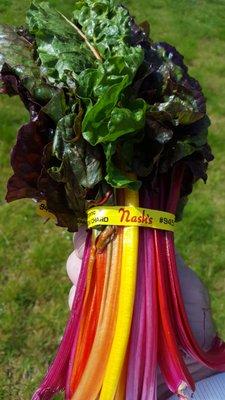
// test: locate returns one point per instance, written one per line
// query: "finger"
(79, 241)
(71, 296)
(73, 267)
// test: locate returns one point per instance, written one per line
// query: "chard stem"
(125, 307)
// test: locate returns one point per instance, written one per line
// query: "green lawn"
(34, 285)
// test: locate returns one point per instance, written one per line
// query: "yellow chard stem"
(125, 307)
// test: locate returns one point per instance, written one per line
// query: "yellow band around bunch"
(130, 216)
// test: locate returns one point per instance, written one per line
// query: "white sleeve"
(212, 388)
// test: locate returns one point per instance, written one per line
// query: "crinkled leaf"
(62, 52)
(116, 177)
(16, 52)
(183, 148)
(106, 25)
(178, 110)
(179, 80)
(26, 159)
(68, 208)
(56, 108)
(120, 121)
(83, 160)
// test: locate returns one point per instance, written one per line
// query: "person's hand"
(196, 302)
(74, 261)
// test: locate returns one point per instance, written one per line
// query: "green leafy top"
(106, 103)
(92, 58)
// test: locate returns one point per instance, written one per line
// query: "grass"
(34, 285)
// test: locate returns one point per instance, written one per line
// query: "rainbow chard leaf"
(56, 196)
(121, 109)
(64, 54)
(17, 59)
(26, 158)
(17, 52)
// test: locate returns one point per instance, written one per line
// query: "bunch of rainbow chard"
(115, 119)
